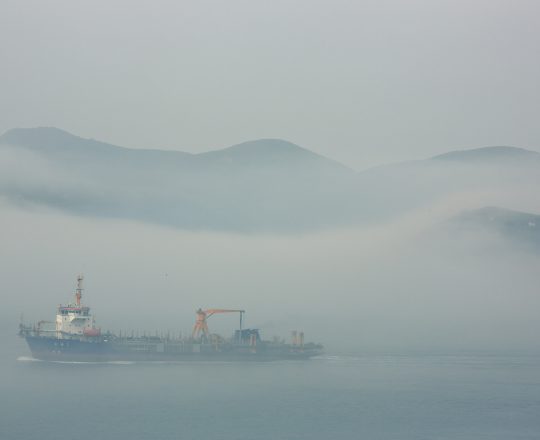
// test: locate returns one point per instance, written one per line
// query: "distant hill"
(522, 228)
(488, 154)
(53, 142)
(269, 153)
(265, 185)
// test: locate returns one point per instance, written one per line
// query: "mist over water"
(409, 284)
(365, 396)
(430, 331)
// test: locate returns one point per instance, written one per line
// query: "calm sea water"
(332, 397)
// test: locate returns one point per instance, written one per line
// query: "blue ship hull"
(155, 349)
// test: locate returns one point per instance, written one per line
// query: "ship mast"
(78, 291)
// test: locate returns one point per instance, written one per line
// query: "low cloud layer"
(402, 285)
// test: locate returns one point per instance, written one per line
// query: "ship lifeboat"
(92, 331)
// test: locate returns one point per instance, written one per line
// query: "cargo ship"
(74, 337)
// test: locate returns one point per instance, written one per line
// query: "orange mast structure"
(202, 315)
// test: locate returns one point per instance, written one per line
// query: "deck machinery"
(74, 336)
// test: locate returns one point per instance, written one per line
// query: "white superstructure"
(75, 319)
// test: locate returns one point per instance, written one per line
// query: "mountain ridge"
(264, 185)
(50, 137)
(483, 153)
(57, 140)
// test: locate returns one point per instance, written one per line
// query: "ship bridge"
(75, 319)
(74, 312)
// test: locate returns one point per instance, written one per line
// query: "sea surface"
(353, 396)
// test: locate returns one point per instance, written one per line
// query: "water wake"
(27, 359)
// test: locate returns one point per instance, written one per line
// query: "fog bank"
(408, 284)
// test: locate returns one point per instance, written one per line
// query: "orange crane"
(203, 315)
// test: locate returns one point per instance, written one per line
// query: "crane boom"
(203, 315)
(211, 312)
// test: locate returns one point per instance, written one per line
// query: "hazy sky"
(363, 82)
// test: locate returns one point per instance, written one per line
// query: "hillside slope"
(266, 185)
